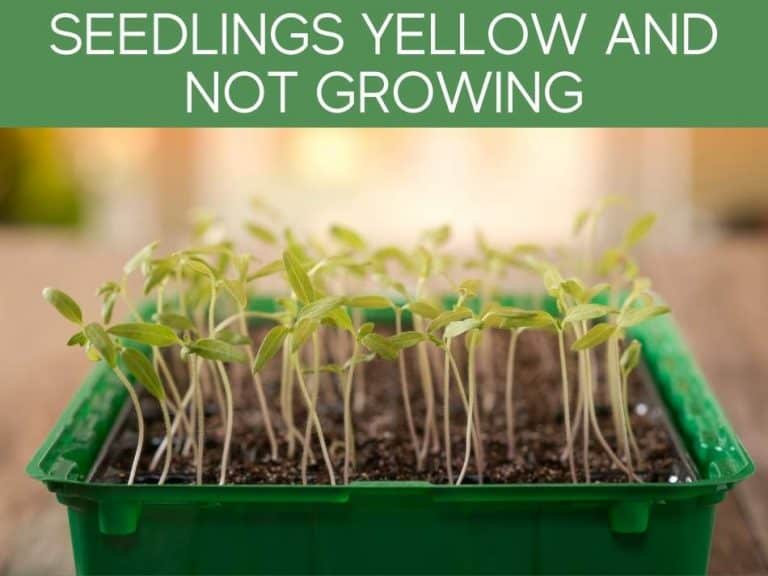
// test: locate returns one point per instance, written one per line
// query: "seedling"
(200, 329)
(100, 344)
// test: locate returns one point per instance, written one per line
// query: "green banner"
(384, 63)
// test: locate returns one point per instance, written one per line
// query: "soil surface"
(383, 446)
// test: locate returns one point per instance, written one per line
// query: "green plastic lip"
(70, 449)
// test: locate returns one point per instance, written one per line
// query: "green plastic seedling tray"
(400, 527)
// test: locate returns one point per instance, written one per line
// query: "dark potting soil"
(384, 450)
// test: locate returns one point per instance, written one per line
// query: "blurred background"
(74, 203)
(124, 186)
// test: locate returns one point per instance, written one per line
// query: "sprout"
(200, 328)
(100, 344)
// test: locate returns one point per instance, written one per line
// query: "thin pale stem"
(229, 418)
(139, 422)
(592, 418)
(632, 439)
(348, 432)
(622, 432)
(174, 426)
(472, 392)
(406, 394)
(286, 398)
(447, 411)
(257, 384)
(168, 441)
(477, 444)
(313, 392)
(566, 405)
(313, 415)
(425, 371)
(508, 390)
(200, 418)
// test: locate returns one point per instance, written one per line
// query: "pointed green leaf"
(301, 333)
(514, 318)
(424, 309)
(140, 259)
(108, 307)
(583, 312)
(261, 233)
(631, 357)
(408, 339)
(65, 305)
(340, 318)
(369, 302)
(348, 237)
(269, 347)
(101, 342)
(439, 236)
(300, 282)
(267, 270)
(596, 335)
(470, 288)
(365, 329)
(574, 288)
(146, 333)
(199, 266)
(460, 327)
(220, 350)
(381, 346)
(175, 321)
(638, 315)
(158, 271)
(319, 308)
(445, 318)
(580, 221)
(143, 372)
(232, 337)
(639, 229)
(77, 339)
(237, 290)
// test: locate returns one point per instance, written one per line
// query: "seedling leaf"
(339, 317)
(381, 346)
(348, 237)
(369, 302)
(639, 315)
(298, 278)
(460, 327)
(584, 312)
(175, 321)
(269, 347)
(408, 339)
(639, 229)
(151, 334)
(424, 309)
(267, 270)
(77, 339)
(213, 349)
(261, 233)
(143, 371)
(319, 308)
(65, 305)
(596, 335)
(441, 321)
(140, 259)
(232, 337)
(631, 357)
(238, 292)
(301, 332)
(101, 342)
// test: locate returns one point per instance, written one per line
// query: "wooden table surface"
(717, 294)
